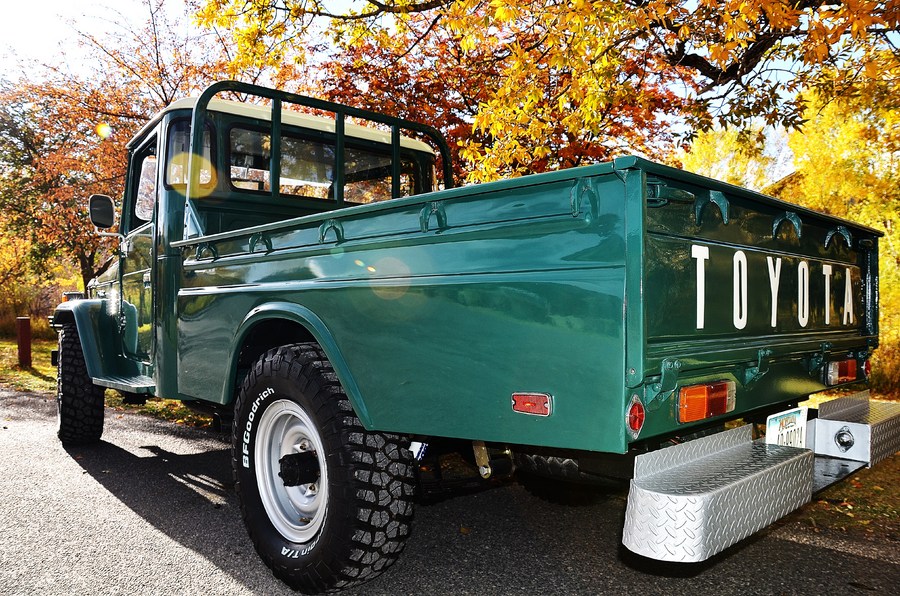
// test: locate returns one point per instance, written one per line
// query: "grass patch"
(41, 378)
(164, 409)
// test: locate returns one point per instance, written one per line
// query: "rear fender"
(311, 322)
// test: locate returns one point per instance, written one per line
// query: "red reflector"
(697, 402)
(536, 404)
(636, 416)
(843, 371)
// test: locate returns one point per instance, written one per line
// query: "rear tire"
(79, 403)
(327, 504)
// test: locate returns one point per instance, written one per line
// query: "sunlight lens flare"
(177, 173)
(103, 130)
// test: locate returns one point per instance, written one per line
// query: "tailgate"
(740, 286)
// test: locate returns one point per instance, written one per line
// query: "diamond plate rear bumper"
(873, 427)
(691, 501)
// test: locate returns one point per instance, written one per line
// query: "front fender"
(99, 334)
(95, 328)
(311, 322)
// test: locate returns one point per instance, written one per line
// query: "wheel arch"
(279, 323)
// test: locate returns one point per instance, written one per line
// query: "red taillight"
(697, 402)
(867, 368)
(635, 416)
(536, 404)
(843, 371)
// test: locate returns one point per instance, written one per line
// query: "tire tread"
(79, 402)
(382, 486)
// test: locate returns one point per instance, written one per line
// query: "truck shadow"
(189, 498)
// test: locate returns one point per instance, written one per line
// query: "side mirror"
(103, 212)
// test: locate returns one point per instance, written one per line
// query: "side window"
(249, 159)
(146, 190)
(307, 168)
(140, 197)
(178, 153)
(368, 177)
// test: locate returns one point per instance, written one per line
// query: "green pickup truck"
(302, 278)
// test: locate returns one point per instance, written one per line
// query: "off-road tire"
(559, 480)
(550, 466)
(79, 403)
(351, 526)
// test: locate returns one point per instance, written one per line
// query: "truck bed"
(580, 284)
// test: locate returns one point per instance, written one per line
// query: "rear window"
(307, 168)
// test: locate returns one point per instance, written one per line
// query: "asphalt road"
(151, 510)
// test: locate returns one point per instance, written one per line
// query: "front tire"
(327, 504)
(79, 403)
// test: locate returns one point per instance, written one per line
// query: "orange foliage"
(422, 71)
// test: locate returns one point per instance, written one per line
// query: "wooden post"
(23, 334)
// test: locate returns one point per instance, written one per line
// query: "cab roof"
(290, 117)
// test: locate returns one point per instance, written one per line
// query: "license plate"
(787, 428)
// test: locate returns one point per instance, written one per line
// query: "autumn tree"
(422, 70)
(439, 84)
(847, 162)
(46, 168)
(63, 133)
(27, 290)
(30, 275)
(735, 156)
(587, 73)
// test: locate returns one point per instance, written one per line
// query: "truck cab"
(244, 179)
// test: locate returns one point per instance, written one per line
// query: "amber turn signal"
(697, 402)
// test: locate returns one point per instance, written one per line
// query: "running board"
(693, 500)
(136, 384)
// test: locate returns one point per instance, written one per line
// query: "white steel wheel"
(327, 504)
(296, 511)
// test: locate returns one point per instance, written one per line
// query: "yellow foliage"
(607, 68)
(848, 161)
(733, 156)
(26, 293)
